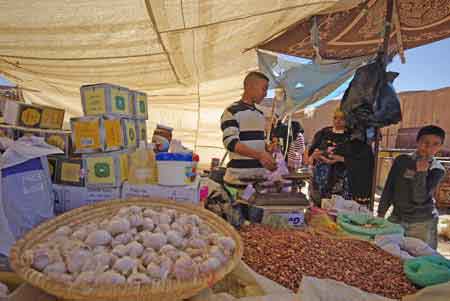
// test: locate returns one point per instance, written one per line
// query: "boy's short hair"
(254, 75)
(431, 130)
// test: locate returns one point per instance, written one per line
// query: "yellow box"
(106, 169)
(100, 99)
(87, 136)
(52, 118)
(60, 139)
(140, 105)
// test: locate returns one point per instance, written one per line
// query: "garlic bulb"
(209, 265)
(98, 238)
(197, 243)
(137, 278)
(125, 265)
(216, 252)
(99, 260)
(148, 224)
(80, 234)
(165, 219)
(76, 259)
(63, 231)
(120, 251)
(122, 239)
(184, 268)
(154, 271)
(135, 209)
(166, 266)
(42, 257)
(124, 211)
(66, 278)
(163, 228)
(227, 243)
(3, 290)
(148, 256)
(174, 238)
(87, 277)
(134, 249)
(155, 241)
(57, 267)
(110, 277)
(118, 225)
(100, 249)
(149, 213)
(135, 220)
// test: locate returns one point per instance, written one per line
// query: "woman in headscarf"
(326, 155)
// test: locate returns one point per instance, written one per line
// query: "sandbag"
(427, 270)
(440, 292)
(404, 247)
(314, 289)
(367, 226)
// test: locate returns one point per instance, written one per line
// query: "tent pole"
(384, 52)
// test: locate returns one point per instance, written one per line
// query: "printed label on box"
(87, 134)
(52, 118)
(141, 105)
(101, 170)
(94, 101)
(70, 172)
(113, 133)
(120, 101)
(57, 140)
(130, 128)
(30, 117)
(124, 166)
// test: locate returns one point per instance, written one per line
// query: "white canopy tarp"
(186, 54)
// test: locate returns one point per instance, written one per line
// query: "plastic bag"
(427, 270)
(367, 226)
(417, 247)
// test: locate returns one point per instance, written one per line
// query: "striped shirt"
(296, 150)
(242, 123)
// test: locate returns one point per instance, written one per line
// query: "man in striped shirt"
(243, 125)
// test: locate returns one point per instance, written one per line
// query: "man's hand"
(267, 161)
(337, 158)
(422, 165)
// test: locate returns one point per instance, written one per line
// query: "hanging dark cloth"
(359, 162)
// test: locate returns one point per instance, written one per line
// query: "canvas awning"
(187, 55)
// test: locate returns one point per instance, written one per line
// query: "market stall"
(77, 241)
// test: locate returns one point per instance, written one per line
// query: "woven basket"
(166, 290)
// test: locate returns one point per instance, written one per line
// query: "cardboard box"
(100, 99)
(129, 128)
(182, 194)
(52, 118)
(106, 169)
(140, 105)
(22, 114)
(72, 197)
(70, 172)
(87, 134)
(141, 129)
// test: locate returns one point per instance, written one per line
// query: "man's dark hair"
(254, 75)
(431, 130)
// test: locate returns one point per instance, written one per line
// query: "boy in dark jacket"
(410, 186)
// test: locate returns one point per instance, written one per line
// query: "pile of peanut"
(285, 255)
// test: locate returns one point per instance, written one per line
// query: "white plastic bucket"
(174, 173)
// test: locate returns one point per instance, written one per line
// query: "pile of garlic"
(4, 291)
(137, 245)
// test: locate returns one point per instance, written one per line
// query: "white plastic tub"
(174, 173)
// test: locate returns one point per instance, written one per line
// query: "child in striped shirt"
(296, 148)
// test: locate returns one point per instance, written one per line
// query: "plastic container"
(174, 169)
